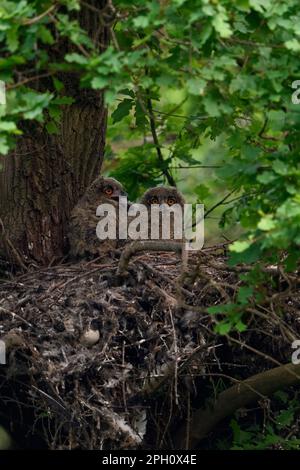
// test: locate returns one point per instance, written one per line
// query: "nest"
(157, 355)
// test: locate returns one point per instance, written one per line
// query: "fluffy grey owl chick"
(163, 195)
(83, 221)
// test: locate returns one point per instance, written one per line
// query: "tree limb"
(240, 395)
(148, 245)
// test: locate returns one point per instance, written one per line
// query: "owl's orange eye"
(171, 201)
(108, 191)
(154, 200)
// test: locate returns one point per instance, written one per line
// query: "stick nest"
(157, 357)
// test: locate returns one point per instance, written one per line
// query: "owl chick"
(170, 196)
(83, 221)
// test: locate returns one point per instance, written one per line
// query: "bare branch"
(148, 245)
(238, 396)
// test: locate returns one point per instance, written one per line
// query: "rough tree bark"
(43, 178)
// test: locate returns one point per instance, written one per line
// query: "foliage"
(278, 432)
(229, 67)
(5, 440)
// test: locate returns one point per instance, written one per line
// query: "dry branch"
(149, 245)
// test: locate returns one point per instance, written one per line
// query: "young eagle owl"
(169, 196)
(83, 221)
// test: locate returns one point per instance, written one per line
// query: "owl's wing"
(82, 232)
(82, 228)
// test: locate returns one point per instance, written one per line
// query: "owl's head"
(108, 188)
(162, 195)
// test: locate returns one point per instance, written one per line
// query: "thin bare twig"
(165, 170)
(36, 19)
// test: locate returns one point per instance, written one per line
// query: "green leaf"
(244, 293)
(76, 58)
(196, 86)
(266, 223)
(8, 126)
(223, 328)
(141, 21)
(45, 35)
(266, 177)
(4, 148)
(239, 246)
(293, 45)
(52, 128)
(280, 167)
(58, 84)
(100, 82)
(202, 191)
(285, 418)
(240, 326)
(122, 110)
(12, 38)
(249, 255)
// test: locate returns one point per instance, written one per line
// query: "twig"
(194, 166)
(36, 19)
(13, 314)
(165, 170)
(245, 42)
(176, 359)
(163, 276)
(220, 203)
(28, 80)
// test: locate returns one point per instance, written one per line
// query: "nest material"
(157, 354)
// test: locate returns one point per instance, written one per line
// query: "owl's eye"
(171, 201)
(154, 200)
(108, 191)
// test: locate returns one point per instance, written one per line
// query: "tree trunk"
(44, 177)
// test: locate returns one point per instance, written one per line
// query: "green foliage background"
(212, 79)
(216, 76)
